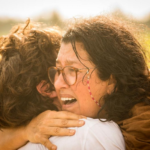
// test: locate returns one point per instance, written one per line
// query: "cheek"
(98, 91)
(86, 105)
(82, 94)
(97, 86)
(80, 88)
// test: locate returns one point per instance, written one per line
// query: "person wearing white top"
(94, 134)
(82, 90)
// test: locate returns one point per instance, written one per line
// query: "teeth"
(67, 99)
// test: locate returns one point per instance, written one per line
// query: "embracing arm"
(46, 124)
(11, 139)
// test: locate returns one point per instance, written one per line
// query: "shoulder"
(106, 134)
(94, 134)
(100, 126)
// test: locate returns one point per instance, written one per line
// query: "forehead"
(67, 55)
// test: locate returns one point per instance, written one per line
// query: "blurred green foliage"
(147, 46)
(51, 19)
(6, 24)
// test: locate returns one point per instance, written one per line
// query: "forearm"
(12, 139)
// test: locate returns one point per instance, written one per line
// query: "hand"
(51, 123)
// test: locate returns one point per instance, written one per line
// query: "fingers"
(48, 144)
(56, 131)
(65, 115)
(64, 123)
(51, 123)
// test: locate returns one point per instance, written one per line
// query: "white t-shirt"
(94, 135)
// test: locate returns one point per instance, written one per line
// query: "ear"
(111, 85)
(43, 87)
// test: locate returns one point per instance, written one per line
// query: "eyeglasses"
(69, 74)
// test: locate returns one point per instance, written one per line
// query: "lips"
(66, 100)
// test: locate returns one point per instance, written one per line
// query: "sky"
(24, 9)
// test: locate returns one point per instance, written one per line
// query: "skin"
(42, 89)
(12, 139)
(84, 103)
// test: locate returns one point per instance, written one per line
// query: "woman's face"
(78, 95)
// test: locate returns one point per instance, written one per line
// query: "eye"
(58, 71)
(71, 69)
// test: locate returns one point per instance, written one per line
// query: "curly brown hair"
(25, 56)
(117, 53)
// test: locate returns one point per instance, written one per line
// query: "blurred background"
(57, 12)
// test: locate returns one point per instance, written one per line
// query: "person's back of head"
(25, 56)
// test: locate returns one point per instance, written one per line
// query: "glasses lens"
(52, 74)
(70, 75)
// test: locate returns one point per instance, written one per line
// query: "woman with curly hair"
(118, 60)
(113, 60)
(101, 72)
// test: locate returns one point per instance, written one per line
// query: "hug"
(97, 69)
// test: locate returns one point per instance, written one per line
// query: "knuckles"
(57, 130)
(64, 122)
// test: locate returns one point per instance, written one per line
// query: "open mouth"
(67, 101)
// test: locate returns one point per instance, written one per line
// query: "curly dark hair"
(115, 52)
(25, 56)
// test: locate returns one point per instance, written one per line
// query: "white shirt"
(94, 134)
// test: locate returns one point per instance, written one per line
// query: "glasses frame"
(63, 74)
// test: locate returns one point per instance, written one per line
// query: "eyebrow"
(67, 62)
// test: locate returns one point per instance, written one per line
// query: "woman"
(100, 73)
(100, 62)
(118, 59)
(25, 55)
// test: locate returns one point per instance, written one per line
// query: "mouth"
(68, 101)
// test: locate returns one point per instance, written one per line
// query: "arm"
(46, 124)
(12, 139)
(94, 134)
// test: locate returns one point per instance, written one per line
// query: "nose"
(60, 83)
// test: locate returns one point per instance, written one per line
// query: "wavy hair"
(114, 51)
(25, 56)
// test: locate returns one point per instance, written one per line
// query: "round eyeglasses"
(69, 74)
